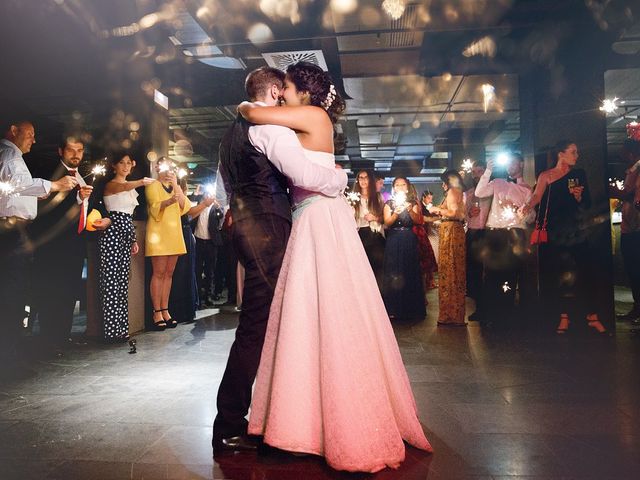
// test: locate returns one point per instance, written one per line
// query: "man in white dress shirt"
(505, 246)
(17, 210)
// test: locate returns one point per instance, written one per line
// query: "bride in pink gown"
(331, 381)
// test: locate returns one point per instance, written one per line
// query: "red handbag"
(539, 234)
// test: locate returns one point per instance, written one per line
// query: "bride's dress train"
(331, 379)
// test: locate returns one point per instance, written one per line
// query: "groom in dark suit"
(254, 164)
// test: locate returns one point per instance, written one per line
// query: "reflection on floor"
(495, 405)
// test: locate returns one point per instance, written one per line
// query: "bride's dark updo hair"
(308, 77)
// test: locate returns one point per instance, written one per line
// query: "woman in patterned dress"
(451, 267)
(117, 243)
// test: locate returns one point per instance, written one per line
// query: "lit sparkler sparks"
(352, 197)
(8, 189)
(619, 184)
(400, 198)
(98, 170)
(182, 172)
(609, 105)
(509, 213)
(166, 166)
(210, 189)
(467, 165)
(506, 287)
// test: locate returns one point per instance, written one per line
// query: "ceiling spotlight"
(609, 105)
(393, 8)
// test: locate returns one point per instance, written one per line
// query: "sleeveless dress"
(331, 381)
(403, 287)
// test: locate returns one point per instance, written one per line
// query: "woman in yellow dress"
(164, 242)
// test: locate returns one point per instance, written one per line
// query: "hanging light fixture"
(393, 8)
(488, 94)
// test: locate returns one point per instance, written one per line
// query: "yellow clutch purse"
(92, 217)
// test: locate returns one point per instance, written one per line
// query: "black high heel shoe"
(170, 322)
(158, 326)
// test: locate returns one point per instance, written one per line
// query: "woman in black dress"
(566, 270)
(402, 290)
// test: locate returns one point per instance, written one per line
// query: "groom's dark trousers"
(261, 215)
(260, 244)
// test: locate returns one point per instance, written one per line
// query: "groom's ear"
(275, 91)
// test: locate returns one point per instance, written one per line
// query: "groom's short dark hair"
(261, 79)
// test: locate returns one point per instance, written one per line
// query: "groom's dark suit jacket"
(261, 213)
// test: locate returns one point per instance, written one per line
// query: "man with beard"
(61, 248)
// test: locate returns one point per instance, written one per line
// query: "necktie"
(82, 221)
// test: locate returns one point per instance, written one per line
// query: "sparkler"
(8, 189)
(609, 105)
(210, 189)
(400, 198)
(506, 287)
(352, 197)
(509, 213)
(467, 165)
(166, 166)
(182, 172)
(614, 182)
(98, 170)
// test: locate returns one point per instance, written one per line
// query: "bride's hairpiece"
(331, 96)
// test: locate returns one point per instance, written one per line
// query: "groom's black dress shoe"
(235, 444)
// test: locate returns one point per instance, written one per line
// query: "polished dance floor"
(495, 405)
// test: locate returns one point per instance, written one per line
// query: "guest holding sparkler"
(164, 242)
(504, 247)
(183, 299)
(18, 207)
(451, 269)
(428, 263)
(431, 224)
(566, 269)
(477, 210)
(402, 291)
(369, 218)
(61, 247)
(117, 244)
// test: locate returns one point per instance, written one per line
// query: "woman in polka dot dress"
(117, 243)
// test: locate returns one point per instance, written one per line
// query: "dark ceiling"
(413, 84)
